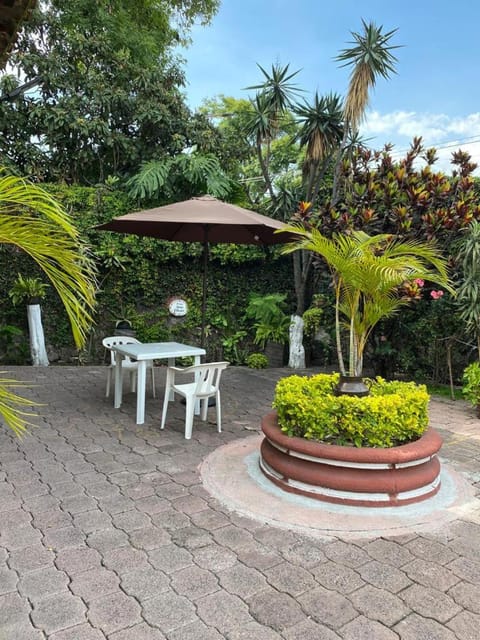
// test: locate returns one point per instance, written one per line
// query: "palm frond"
(64, 261)
(33, 221)
(277, 88)
(321, 123)
(370, 56)
(12, 406)
(18, 196)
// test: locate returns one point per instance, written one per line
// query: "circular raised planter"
(349, 475)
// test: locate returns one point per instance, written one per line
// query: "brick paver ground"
(107, 532)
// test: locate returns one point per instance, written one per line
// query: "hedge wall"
(136, 278)
(138, 275)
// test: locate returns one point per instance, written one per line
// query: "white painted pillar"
(296, 358)
(37, 338)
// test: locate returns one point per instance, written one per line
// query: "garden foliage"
(136, 277)
(471, 383)
(394, 413)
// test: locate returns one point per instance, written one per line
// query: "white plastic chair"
(127, 363)
(206, 384)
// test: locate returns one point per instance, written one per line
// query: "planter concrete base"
(348, 475)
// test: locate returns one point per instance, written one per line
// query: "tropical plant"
(270, 319)
(26, 289)
(321, 131)
(371, 279)
(403, 195)
(32, 221)
(269, 109)
(182, 176)
(468, 292)
(232, 347)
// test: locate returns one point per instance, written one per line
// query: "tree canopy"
(97, 88)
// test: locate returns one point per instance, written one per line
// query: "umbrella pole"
(204, 292)
(211, 401)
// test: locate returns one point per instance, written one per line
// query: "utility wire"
(448, 144)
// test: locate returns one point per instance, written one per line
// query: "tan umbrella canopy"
(206, 220)
(203, 219)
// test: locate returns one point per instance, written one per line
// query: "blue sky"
(435, 93)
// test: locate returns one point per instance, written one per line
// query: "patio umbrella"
(206, 220)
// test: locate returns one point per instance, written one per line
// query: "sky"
(435, 93)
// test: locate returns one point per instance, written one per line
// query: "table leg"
(141, 376)
(118, 381)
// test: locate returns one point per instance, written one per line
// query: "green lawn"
(444, 391)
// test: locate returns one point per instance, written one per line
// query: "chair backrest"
(113, 341)
(207, 376)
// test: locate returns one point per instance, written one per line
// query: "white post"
(37, 339)
(296, 358)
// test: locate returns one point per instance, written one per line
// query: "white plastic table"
(141, 353)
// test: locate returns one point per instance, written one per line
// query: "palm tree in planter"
(326, 443)
(373, 278)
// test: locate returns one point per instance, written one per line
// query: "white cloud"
(447, 134)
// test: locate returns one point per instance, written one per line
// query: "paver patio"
(107, 532)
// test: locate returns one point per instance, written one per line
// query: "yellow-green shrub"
(394, 413)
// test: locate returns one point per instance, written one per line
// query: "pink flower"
(419, 282)
(436, 294)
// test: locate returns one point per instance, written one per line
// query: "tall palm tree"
(277, 88)
(321, 131)
(370, 274)
(34, 222)
(273, 99)
(370, 57)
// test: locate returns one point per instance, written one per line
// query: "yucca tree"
(274, 97)
(277, 88)
(34, 222)
(369, 275)
(321, 131)
(370, 57)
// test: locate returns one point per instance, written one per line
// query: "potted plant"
(372, 277)
(271, 324)
(366, 451)
(32, 291)
(471, 385)
(372, 447)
